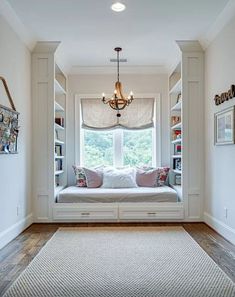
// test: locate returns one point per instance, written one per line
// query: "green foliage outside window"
(99, 149)
(137, 146)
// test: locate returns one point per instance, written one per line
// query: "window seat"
(140, 204)
(124, 195)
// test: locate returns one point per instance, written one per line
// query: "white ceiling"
(146, 30)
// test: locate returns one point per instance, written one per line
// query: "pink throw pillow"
(146, 178)
(94, 178)
(162, 175)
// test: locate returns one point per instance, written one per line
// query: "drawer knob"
(151, 213)
(85, 213)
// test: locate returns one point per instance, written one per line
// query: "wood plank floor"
(17, 255)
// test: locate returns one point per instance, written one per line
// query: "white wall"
(15, 170)
(97, 84)
(220, 160)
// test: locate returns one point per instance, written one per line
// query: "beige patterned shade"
(98, 116)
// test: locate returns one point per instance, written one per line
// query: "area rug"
(122, 262)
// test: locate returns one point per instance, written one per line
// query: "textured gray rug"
(118, 262)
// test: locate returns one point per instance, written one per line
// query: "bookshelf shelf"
(59, 157)
(59, 90)
(177, 171)
(178, 126)
(57, 141)
(176, 141)
(176, 156)
(176, 87)
(58, 172)
(177, 107)
(58, 127)
(58, 107)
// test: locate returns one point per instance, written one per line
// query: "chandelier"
(118, 101)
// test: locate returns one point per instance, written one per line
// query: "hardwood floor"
(17, 255)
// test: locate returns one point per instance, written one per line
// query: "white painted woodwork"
(49, 99)
(118, 212)
(192, 125)
(85, 212)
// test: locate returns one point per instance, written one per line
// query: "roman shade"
(98, 116)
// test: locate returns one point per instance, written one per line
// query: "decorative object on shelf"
(177, 164)
(178, 179)
(179, 98)
(224, 126)
(9, 128)
(176, 134)
(177, 149)
(219, 99)
(175, 120)
(118, 101)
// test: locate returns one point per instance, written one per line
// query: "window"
(117, 147)
(102, 138)
(97, 148)
(138, 147)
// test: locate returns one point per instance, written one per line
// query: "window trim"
(156, 136)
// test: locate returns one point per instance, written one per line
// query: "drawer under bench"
(110, 212)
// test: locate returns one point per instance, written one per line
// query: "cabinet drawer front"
(85, 214)
(151, 215)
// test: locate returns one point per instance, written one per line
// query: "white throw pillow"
(115, 178)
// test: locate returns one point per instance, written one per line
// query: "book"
(60, 121)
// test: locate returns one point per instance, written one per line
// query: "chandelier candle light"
(118, 101)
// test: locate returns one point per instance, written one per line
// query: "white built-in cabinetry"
(49, 138)
(187, 83)
(49, 129)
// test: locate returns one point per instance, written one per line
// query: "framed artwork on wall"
(9, 128)
(224, 126)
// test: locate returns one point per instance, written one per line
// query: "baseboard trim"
(220, 227)
(9, 234)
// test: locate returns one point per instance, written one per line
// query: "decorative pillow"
(93, 178)
(162, 176)
(146, 178)
(80, 176)
(114, 178)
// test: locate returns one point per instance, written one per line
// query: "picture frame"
(224, 126)
(9, 127)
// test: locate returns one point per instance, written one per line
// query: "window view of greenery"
(98, 148)
(137, 147)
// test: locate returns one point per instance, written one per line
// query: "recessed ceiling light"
(118, 7)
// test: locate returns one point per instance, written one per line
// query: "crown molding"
(222, 20)
(189, 45)
(7, 12)
(99, 70)
(46, 46)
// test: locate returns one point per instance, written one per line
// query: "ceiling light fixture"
(118, 101)
(118, 7)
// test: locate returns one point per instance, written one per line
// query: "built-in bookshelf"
(59, 130)
(186, 95)
(49, 87)
(175, 96)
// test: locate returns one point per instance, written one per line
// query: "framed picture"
(224, 127)
(9, 128)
